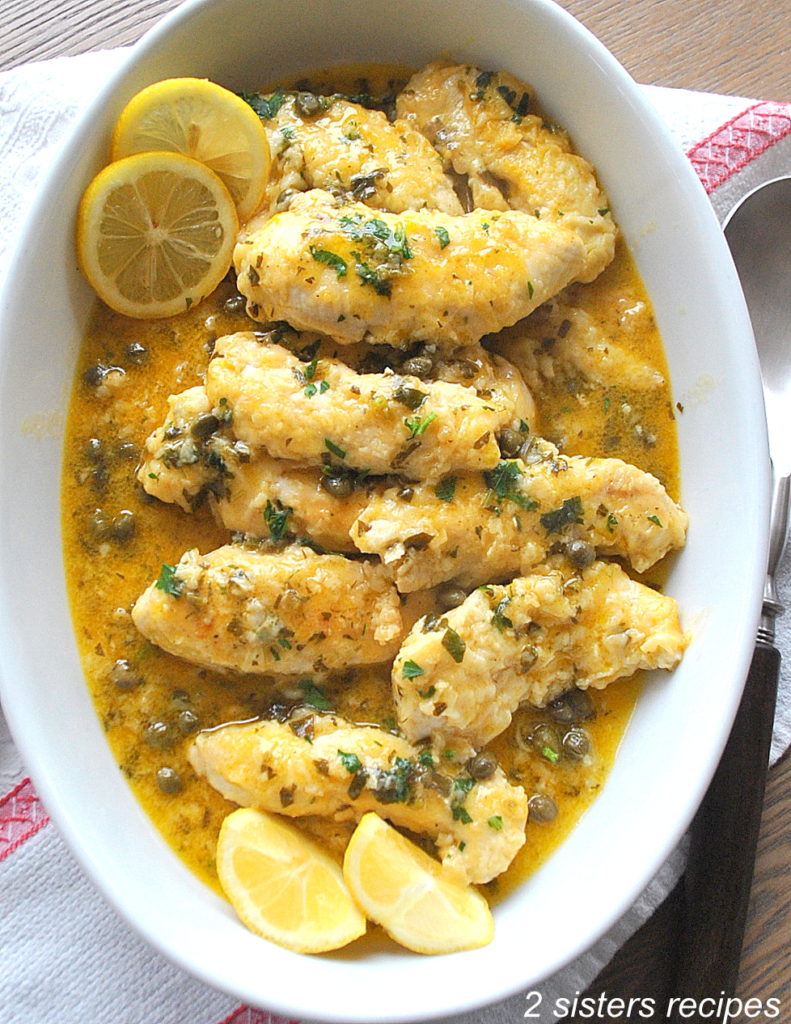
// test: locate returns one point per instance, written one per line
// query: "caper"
(204, 425)
(158, 734)
(482, 766)
(169, 780)
(573, 706)
(100, 524)
(188, 722)
(418, 366)
(127, 450)
(95, 374)
(529, 453)
(510, 441)
(412, 398)
(337, 486)
(546, 740)
(576, 743)
(94, 450)
(136, 353)
(541, 808)
(124, 676)
(580, 552)
(450, 595)
(308, 104)
(123, 526)
(235, 304)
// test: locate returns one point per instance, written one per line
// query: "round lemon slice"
(283, 886)
(410, 894)
(198, 118)
(155, 234)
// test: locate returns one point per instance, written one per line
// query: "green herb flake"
(612, 522)
(495, 822)
(454, 645)
(167, 581)
(417, 426)
(655, 519)
(265, 106)
(427, 693)
(351, 762)
(332, 259)
(446, 489)
(443, 236)
(334, 448)
(569, 512)
(315, 696)
(460, 813)
(503, 481)
(499, 618)
(276, 518)
(426, 758)
(551, 755)
(411, 670)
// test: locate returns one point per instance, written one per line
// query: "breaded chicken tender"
(466, 673)
(504, 522)
(288, 611)
(562, 341)
(359, 275)
(376, 423)
(327, 766)
(482, 125)
(334, 144)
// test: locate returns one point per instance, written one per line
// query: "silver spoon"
(725, 831)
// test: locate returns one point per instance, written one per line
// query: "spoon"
(725, 831)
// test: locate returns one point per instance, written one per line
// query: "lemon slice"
(283, 886)
(155, 234)
(200, 119)
(410, 894)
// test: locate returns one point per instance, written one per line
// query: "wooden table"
(741, 48)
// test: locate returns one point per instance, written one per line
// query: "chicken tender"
(561, 341)
(485, 528)
(329, 767)
(482, 126)
(357, 275)
(466, 673)
(288, 611)
(326, 412)
(331, 143)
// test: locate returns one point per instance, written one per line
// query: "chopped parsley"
(351, 762)
(411, 670)
(495, 822)
(315, 696)
(334, 448)
(276, 518)
(167, 581)
(372, 276)
(446, 488)
(499, 618)
(265, 106)
(426, 758)
(417, 426)
(443, 236)
(394, 785)
(454, 645)
(569, 512)
(332, 259)
(312, 389)
(427, 693)
(460, 813)
(503, 481)
(655, 519)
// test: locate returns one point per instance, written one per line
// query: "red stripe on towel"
(733, 145)
(21, 816)
(247, 1015)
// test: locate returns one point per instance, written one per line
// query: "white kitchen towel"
(66, 957)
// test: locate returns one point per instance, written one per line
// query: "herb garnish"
(167, 581)
(569, 512)
(446, 489)
(276, 518)
(315, 696)
(417, 426)
(503, 480)
(265, 107)
(332, 259)
(334, 448)
(454, 645)
(350, 761)
(443, 236)
(411, 669)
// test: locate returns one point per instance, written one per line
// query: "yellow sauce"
(110, 416)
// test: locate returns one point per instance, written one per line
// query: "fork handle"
(723, 842)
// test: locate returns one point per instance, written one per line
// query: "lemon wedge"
(417, 902)
(200, 119)
(155, 234)
(283, 886)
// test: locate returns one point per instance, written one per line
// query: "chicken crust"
(480, 123)
(504, 522)
(374, 422)
(326, 766)
(287, 611)
(356, 275)
(529, 641)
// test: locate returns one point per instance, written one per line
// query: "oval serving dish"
(680, 725)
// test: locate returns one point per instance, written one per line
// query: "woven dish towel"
(66, 956)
